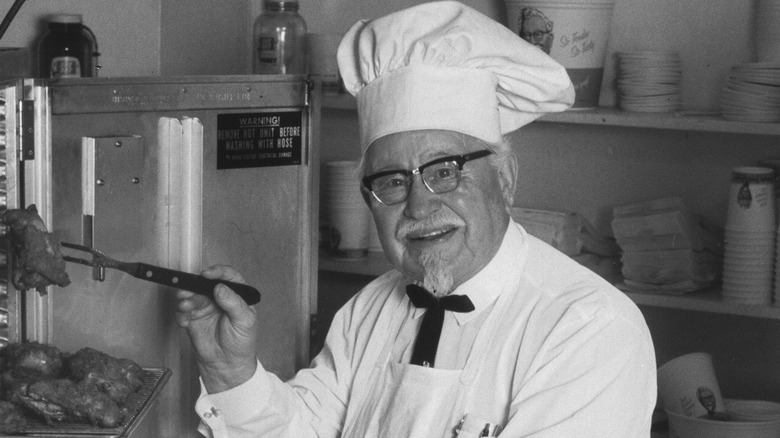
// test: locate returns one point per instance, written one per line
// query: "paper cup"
(349, 228)
(573, 32)
(684, 380)
(752, 203)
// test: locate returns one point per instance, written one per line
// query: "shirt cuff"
(235, 406)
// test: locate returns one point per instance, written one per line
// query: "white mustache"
(438, 221)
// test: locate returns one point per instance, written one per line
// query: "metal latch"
(27, 130)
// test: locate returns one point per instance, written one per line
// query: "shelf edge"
(375, 264)
(615, 117)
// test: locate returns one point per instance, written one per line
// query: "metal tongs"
(168, 277)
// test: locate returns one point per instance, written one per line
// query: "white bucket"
(574, 33)
(681, 380)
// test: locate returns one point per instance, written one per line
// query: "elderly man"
(481, 329)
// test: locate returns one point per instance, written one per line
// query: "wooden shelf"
(679, 121)
(375, 264)
(705, 301)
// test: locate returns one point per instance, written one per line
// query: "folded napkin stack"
(666, 248)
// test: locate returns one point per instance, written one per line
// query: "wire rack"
(138, 405)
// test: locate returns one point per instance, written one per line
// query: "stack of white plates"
(649, 81)
(752, 93)
(767, 30)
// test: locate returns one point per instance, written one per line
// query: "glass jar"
(279, 39)
(67, 50)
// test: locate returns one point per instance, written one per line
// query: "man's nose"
(421, 202)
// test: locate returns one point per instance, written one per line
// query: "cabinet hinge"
(309, 90)
(27, 130)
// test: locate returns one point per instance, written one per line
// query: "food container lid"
(65, 18)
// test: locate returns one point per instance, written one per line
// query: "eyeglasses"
(439, 176)
(534, 36)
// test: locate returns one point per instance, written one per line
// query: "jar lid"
(65, 18)
(752, 174)
(281, 5)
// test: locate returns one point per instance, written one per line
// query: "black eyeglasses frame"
(460, 160)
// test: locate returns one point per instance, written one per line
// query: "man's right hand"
(223, 331)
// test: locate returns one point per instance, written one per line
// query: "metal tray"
(138, 405)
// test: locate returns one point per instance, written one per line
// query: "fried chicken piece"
(39, 261)
(42, 359)
(60, 399)
(26, 362)
(118, 378)
(11, 418)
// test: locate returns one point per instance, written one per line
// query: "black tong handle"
(191, 282)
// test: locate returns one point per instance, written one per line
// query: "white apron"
(412, 401)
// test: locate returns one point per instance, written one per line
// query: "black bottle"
(68, 49)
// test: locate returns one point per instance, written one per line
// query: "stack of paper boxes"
(573, 235)
(666, 248)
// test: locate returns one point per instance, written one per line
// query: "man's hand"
(222, 331)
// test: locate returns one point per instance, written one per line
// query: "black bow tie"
(430, 330)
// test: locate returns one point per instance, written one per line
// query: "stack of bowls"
(767, 30)
(681, 426)
(753, 410)
(750, 234)
(649, 81)
(349, 217)
(752, 93)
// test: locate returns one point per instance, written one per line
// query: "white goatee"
(438, 276)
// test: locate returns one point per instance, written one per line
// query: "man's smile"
(440, 234)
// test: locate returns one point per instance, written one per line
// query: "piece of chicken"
(42, 359)
(11, 419)
(118, 378)
(59, 399)
(38, 258)
(26, 362)
(88, 386)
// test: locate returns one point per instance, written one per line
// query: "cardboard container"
(681, 382)
(573, 32)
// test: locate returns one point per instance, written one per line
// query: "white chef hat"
(443, 65)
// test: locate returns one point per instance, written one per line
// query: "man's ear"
(507, 178)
